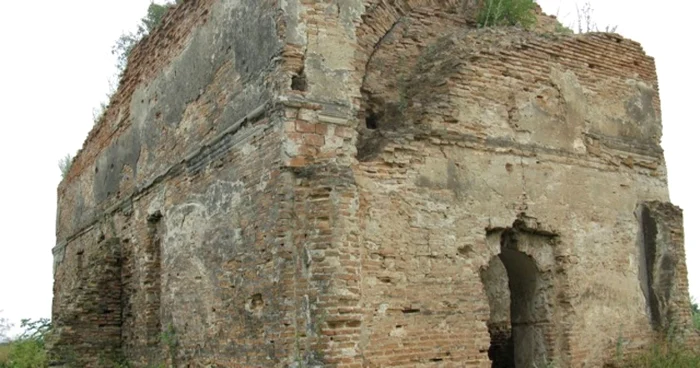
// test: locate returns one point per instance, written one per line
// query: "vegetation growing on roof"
(64, 164)
(127, 41)
(497, 13)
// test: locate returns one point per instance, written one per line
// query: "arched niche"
(524, 326)
(391, 38)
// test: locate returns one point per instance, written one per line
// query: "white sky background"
(55, 63)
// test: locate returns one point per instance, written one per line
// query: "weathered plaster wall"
(470, 131)
(181, 184)
(301, 183)
(215, 79)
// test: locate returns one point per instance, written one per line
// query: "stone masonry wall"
(368, 183)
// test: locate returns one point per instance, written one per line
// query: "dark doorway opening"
(519, 312)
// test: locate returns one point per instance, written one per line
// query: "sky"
(56, 65)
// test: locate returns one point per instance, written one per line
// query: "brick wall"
(311, 183)
(496, 124)
(183, 178)
(87, 331)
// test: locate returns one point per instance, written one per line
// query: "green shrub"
(4, 354)
(127, 41)
(671, 352)
(665, 356)
(27, 353)
(5, 326)
(64, 164)
(495, 13)
(28, 350)
(560, 28)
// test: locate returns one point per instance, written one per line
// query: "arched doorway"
(520, 314)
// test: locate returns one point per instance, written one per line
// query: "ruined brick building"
(369, 183)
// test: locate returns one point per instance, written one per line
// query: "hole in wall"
(154, 217)
(255, 304)
(372, 120)
(465, 250)
(80, 260)
(371, 139)
(299, 81)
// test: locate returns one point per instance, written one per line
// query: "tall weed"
(497, 13)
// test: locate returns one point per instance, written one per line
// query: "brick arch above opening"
(391, 38)
(381, 16)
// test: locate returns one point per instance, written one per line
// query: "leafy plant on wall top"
(64, 164)
(122, 49)
(497, 13)
(125, 45)
(127, 41)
